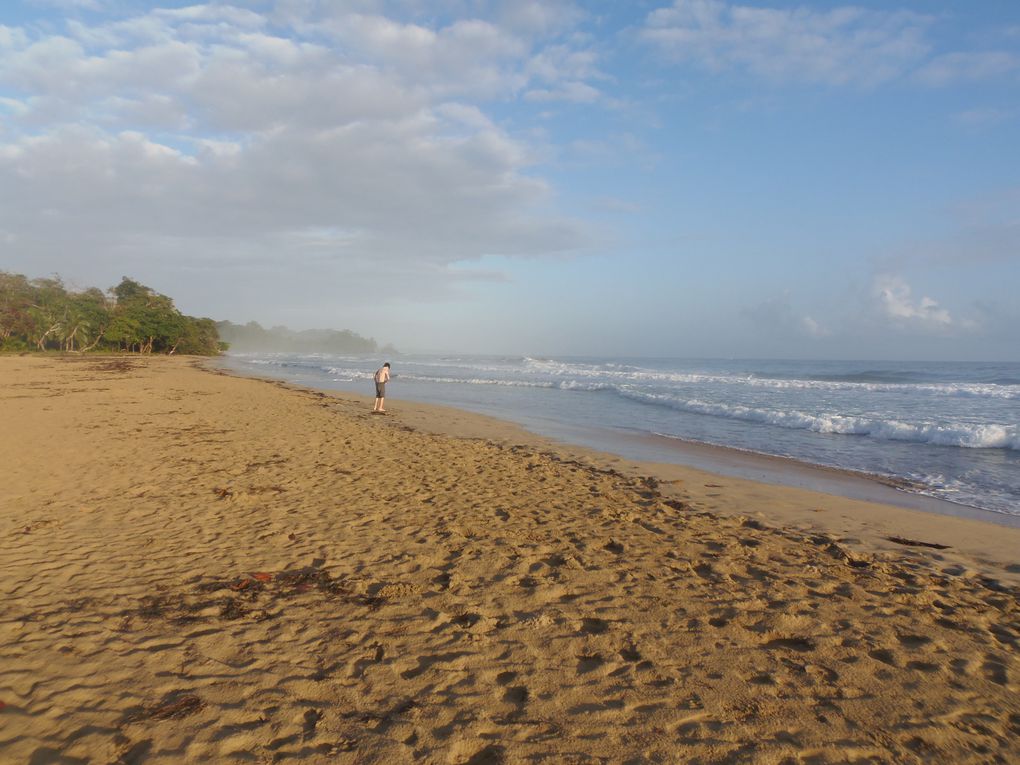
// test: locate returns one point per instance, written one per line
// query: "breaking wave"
(965, 435)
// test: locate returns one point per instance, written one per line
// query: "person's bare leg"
(376, 407)
(382, 405)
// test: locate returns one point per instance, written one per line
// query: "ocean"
(946, 430)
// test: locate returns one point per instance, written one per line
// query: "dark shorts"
(380, 390)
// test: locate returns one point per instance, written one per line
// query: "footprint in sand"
(493, 754)
(516, 695)
(995, 671)
(885, 656)
(801, 644)
(591, 626)
(913, 641)
(630, 654)
(589, 663)
(1014, 723)
(505, 678)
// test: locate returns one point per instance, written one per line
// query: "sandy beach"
(198, 567)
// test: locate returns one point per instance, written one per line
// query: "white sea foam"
(974, 436)
(479, 381)
(621, 372)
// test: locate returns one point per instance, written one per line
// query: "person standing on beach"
(382, 376)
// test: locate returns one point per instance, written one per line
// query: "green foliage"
(42, 314)
(16, 297)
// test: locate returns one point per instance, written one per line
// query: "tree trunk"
(47, 333)
(99, 337)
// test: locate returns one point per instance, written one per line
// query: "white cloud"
(814, 328)
(469, 57)
(842, 45)
(540, 17)
(409, 199)
(206, 138)
(962, 67)
(12, 37)
(897, 303)
(568, 72)
(213, 13)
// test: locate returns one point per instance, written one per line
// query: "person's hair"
(386, 364)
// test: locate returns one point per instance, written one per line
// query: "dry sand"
(202, 568)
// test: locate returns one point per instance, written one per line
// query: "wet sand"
(204, 568)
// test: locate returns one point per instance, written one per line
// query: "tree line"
(42, 314)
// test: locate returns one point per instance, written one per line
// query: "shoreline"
(981, 546)
(722, 460)
(205, 567)
(980, 542)
(843, 482)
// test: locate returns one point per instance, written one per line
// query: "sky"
(695, 178)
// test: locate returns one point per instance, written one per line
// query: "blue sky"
(687, 178)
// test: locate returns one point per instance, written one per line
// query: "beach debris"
(42, 523)
(173, 706)
(676, 504)
(222, 492)
(837, 552)
(162, 604)
(3, 705)
(917, 543)
(232, 609)
(118, 365)
(252, 595)
(266, 489)
(243, 584)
